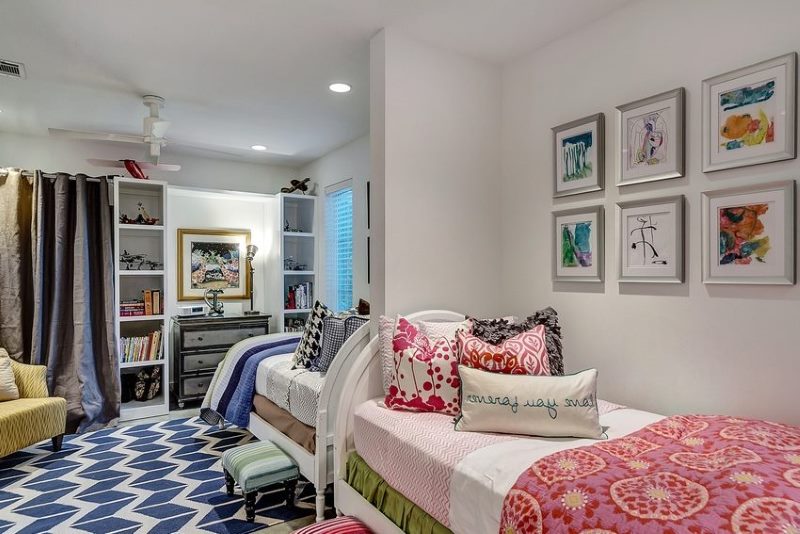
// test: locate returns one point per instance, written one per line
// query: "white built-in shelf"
(141, 272)
(298, 273)
(134, 318)
(141, 409)
(297, 311)
(298, 234)
(300, 213)
(142, 227)
(144, 363)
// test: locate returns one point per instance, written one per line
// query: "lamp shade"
(251, 252)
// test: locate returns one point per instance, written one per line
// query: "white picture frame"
(579, 156)
(735, 105)
(651, 138)
(737, 221)
(583, 228)
(651, 240)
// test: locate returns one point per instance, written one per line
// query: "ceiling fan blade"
(119, 164)
(94, 136)
(159, 166)
(106, 163)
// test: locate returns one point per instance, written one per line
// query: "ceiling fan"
(154, 130)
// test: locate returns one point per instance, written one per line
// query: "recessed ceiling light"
(340, 87)
(260, 148)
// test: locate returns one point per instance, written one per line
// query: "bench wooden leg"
(57, 441)
(229, 482)
(250, 505)
(320, 504)
(290, 486)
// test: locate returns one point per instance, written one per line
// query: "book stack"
(151, 303)
(141, 348)
(299, 296)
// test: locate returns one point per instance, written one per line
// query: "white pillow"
(8, 386)
(549, 406)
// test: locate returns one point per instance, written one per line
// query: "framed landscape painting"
(651, 240)
(213, 259)
(579, 156)
(578, 245)
(651, 138)
(749, 115)
(748, 235)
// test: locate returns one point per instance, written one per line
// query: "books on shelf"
(151, 303)
(142, 348)
(299, 296)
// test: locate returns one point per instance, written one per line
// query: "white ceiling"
(241, 72)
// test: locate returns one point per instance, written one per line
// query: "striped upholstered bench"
(256, 466)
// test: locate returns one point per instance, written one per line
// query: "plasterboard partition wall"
(438, 157)
(665, 348)
(34, 152)
(349, 162)
(193, 208)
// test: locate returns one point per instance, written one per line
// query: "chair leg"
(290, 487)
(250, 505)
(320, 504)
(229, 482)
(57, 441)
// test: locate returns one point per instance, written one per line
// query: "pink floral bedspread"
(698, 474)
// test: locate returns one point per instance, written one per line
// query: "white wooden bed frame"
(364, 381)
(318, 467)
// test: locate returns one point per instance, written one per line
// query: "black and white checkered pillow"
(335, 332)
(309, 346)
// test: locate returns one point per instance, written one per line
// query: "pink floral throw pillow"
(425, 374)
(523, 354)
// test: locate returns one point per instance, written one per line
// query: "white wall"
(48, 154)
(349, 162)
(189, 208)
(439, 158)
(682, 348)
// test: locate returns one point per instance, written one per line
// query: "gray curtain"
(73, 321)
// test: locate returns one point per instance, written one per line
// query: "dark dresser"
(200, 343)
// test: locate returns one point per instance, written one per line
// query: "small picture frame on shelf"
(650, 236)
(578, 245)
(749, 234)
(749, 115)
(651, 138)
(579, 156)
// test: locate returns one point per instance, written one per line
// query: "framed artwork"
(748, 235)
(749, 115)
(651, 240)
(651, 138)
(579, 156)
(213, 259)
(578, 245)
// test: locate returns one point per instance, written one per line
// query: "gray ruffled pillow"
(496, 331)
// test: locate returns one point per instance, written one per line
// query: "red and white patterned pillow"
(523, 354)
(425, 373)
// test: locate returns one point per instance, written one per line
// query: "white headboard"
(363, 382)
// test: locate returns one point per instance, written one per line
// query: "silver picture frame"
(789, 111)
(658, 276)
(597, 121)
(711, 241)
(677, 169)
(596, 214)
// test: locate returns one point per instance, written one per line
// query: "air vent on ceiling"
(12, 69)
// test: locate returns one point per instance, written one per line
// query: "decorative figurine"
(215, 307)
(297, 185)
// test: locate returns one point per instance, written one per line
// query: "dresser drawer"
(222, 337)
(195, 386)
(199, 362)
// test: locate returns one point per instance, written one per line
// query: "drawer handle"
(200, 385)
(199, 362)
(250, 334)
(200, 338)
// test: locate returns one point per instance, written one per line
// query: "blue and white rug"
(161, 478)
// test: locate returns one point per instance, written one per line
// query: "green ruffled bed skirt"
(409, 517)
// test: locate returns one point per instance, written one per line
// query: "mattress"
(461, 478)
(295, 390)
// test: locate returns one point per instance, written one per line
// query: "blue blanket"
(230, 396)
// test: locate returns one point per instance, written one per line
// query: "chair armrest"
(31, 380)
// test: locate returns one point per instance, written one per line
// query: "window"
(339, 245)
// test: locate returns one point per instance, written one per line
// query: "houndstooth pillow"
(309, 346)
(335, 332)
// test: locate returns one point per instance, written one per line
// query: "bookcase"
(298, 259)
(140, 294)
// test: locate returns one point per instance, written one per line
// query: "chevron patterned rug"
(157, 478)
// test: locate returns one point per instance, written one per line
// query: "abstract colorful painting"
(212, 259)
(576, 244)
(651, 239)
(742, 236)
(648, 137)
(576, 157)
(747, 116)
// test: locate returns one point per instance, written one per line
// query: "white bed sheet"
(295, 390)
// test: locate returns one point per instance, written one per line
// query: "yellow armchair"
(34, 416)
